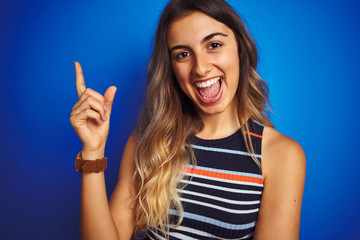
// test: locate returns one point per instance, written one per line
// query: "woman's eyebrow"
(179, 47)
(205, 39)
(210, 36)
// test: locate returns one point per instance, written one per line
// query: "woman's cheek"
(180, 77)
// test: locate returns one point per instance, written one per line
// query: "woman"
(204, 161)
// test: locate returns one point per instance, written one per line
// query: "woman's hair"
(169, 121)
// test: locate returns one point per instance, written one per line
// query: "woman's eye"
(215, 45)
(182, 55)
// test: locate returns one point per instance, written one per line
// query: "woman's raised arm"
(90, 120)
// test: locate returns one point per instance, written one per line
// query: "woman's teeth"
(208, 83)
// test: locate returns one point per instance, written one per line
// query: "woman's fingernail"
(105, 107)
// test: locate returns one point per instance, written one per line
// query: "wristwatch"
(90, 166)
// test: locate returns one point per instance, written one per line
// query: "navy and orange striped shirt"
(222, 197)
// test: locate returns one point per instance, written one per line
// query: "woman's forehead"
(194, 27)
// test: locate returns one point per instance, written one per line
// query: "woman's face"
(205, 61)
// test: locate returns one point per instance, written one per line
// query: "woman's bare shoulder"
(283, 167)
(281, 152)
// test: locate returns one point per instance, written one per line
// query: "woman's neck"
(219, 125)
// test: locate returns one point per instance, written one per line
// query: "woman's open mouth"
(209, 91)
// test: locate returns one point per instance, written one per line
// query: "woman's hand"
(90, 115)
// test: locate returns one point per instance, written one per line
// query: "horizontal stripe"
(156, 235)
(209, 205)
(258, 123)
(225, 171)
(223, 150)
(173, 234)
(226, 181)
(253, 134)
(212, 221)
(248, 236)
(225, 176)
(208, 235)
(222, 188)
(218, 198)
(194, 231)
(181, 236)
(148, 235)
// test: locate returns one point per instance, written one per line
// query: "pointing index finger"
(80, 82)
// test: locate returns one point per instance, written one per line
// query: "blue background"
(308, 55)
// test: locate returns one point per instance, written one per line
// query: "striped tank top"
(222, 197)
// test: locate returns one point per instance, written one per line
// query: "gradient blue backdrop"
(308, 55)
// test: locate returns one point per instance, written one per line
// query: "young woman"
(204, 161)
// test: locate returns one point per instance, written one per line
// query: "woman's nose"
(202, 65)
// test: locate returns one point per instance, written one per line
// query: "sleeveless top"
(222, 197)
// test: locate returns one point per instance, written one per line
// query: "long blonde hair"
(169, 121)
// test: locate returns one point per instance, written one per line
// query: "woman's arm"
(121, 201)
(96, 219)
(113, 220)
(90, 120)
(284, 165)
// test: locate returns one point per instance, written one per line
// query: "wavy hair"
(169, 121)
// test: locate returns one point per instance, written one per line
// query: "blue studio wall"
(308, 55)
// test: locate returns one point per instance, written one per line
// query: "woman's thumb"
(109, 98)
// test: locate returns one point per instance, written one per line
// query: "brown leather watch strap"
(90, 166)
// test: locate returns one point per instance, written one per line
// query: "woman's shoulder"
(281, 153)
(283, 167)
(275, 139)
